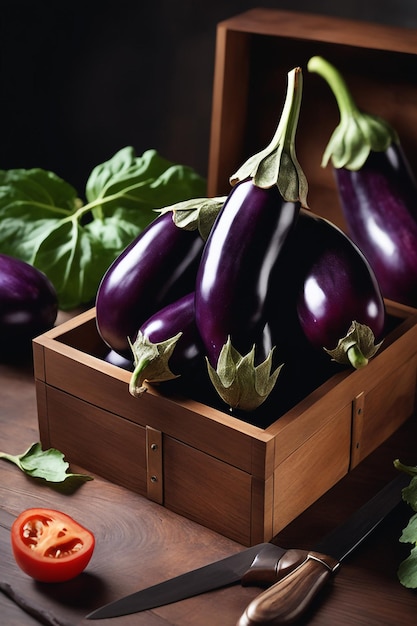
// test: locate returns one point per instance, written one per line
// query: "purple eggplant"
(333, 290)
(157, 268)
(28, 303)
(233, 278)
(377, 190)
(380, 207)
(167, 345)
(242, 248)
(114, 358)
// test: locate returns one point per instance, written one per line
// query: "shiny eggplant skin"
(177, 317)
(234, 274)
(379, 204)
(333, 281)
(157, 268)
(114, 358)
(28, 303)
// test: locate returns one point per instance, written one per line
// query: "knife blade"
(287, 600)
(209, 577)
(265, 564)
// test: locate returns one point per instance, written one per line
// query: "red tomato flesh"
(50, 546)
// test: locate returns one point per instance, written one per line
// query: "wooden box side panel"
(98, 440)
(379, 413)
(207, 490)
(104, 386)
(399, 348)
(312, 469)
(377, 68)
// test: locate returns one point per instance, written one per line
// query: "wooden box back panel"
(254, 53)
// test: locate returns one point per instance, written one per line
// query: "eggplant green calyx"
(356, 348)
(277, 164)
(151, 362)
(196, 214)
(240, 383)
(358, 133)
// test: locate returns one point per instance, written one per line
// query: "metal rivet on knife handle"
(286, 601)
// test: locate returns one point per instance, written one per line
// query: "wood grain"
(140, 543)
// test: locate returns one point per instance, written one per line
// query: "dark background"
(80, 80)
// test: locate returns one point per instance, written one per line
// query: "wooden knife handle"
(285, 601)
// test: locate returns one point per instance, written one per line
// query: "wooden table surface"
(139, 543)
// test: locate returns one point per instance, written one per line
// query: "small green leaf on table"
(48, 465)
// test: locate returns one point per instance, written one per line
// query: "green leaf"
(44, 222)
(149, 181)
(409, 534)
(103, 174)
(114, 233)
(37, 188)
(49, 465)
(410, 495)
(66, 253)
(407, 571)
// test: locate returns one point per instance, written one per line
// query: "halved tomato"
(50, 546)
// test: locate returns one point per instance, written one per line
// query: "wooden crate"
(241, 480)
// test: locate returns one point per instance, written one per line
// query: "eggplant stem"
(356, 358)
(346, 103)
(277, 164)
(151, 362)
(411, 470)
(358, 133)
(134, 388)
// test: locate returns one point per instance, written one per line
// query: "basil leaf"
(48, 465)
(130, 182)
(64, 252)
(407, 570)
(45, 223)
(37, 189)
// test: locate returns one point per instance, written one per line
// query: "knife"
(286, 600)
(293, 576)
